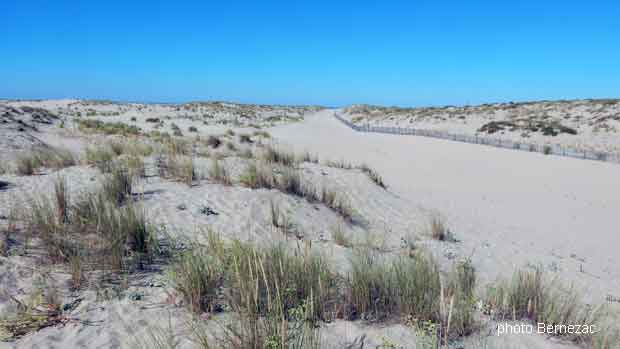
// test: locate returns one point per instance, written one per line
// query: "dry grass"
(178, 167)
(412, 287)
(218, 172)
(118, 185)
(101, 157)
(197, 275)
(93, 229)
(530, 295)
(438, 228)
(258, 175)
(373, 175)
(275, 155)
(31, 162)
(339, 236)
(276, 296)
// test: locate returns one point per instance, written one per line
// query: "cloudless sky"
(312, 52)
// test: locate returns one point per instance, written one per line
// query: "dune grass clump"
(339, 164)
(197, 275)
(118, 186)
(438, 228)
(177, 167)
(93, 230)
(31, 162)
(101, 157)
(278, 156)
(308, 157)
(258, 175)
(373, 175)
(218, 172)
(339, 236)
(412, 287)
(277, 296)
(285, 281)
(109, 128)
(531, 295)
(380, 288)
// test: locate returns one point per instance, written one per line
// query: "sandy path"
(510, 208)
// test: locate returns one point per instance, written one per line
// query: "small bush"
(214, 141)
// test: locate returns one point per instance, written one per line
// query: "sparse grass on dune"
(438, 228)
(178, 167)
(270, 289)
(411, 286)
(276, 295)
(289, 180)
(109, 128)
(531, 295)
(274, 155)
(218, 172)
(31, 162)
(339, 236)
(197, 275)
(258, 175)
(101, 157)
(95, 227)
(118, 185)
(373, 175)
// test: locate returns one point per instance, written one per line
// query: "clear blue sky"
(311, 52)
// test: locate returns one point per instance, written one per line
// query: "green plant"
(118, 185)
(197, 275)
(530, 295)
